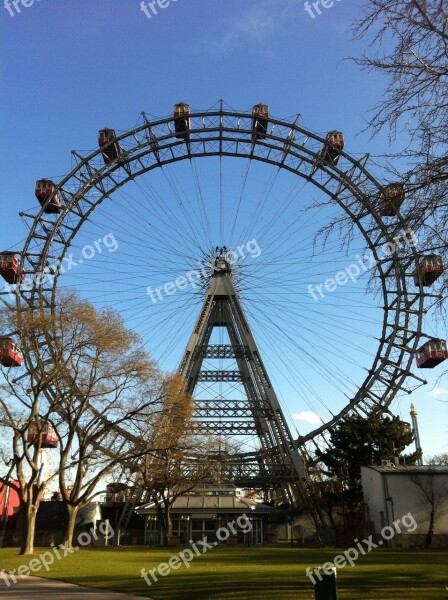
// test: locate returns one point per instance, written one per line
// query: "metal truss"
(221, 132)
(220, 351)
(279, 466)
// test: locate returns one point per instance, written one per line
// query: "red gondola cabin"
(48, 436)
(431, 354)
(182, 121)
(9, 267)
(394, 196)
(260, 120)
(110, 148)
(44, 190)
(10, 353)
(334, 144)
(430, 268)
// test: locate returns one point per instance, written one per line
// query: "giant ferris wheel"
(326, 276)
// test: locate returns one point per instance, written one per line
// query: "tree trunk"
(167, 524)
(29, 528)
(69, 529)
(333, 525)
(430, 533)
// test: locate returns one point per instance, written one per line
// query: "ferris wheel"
(139, 223)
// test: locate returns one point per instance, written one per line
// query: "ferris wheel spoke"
(261, 203)
(302, 383)
(240, 200)
(314, 358)
(221, 203)
(201, 203)
(160, 209)
(194, 228)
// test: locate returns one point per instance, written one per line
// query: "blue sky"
(70, 67)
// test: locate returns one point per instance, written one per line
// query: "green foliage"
(356, 441)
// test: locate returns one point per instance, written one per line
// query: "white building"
(391, 492)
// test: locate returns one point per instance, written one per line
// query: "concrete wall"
(374, 496)
(408, 497)
(390, 496)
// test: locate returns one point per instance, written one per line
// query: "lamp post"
(185, 528)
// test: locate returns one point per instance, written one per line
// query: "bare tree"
(434, 493)
(91, 382)
(177, 459)
(414, 106)
(439, 459)
(24, 474)
(110, 384)
(25, 415)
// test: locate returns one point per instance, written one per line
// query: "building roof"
(213, 504)
(410, 470)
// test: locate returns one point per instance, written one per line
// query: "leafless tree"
(24, 457)
(25, 413)
(434, 493)
(439, 459)
(93, 382)
(177, 458)
(414, 107)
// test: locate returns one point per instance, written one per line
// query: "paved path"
(30, 588)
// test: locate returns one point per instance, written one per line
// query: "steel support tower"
(277, 467)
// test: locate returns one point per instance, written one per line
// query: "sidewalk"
(36, 587)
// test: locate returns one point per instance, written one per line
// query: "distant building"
(50, 521)
(391, 492)
(9, 501)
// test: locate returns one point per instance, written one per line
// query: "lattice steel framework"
(279, 463)
(221, 132)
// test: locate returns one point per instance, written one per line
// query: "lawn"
(241, 573)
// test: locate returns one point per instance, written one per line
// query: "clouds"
(438, 391)
(308, 417)
(255, 24)
(258, 22)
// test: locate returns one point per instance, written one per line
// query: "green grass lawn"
(243, 573)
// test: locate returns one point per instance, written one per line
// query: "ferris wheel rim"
(215, 127)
